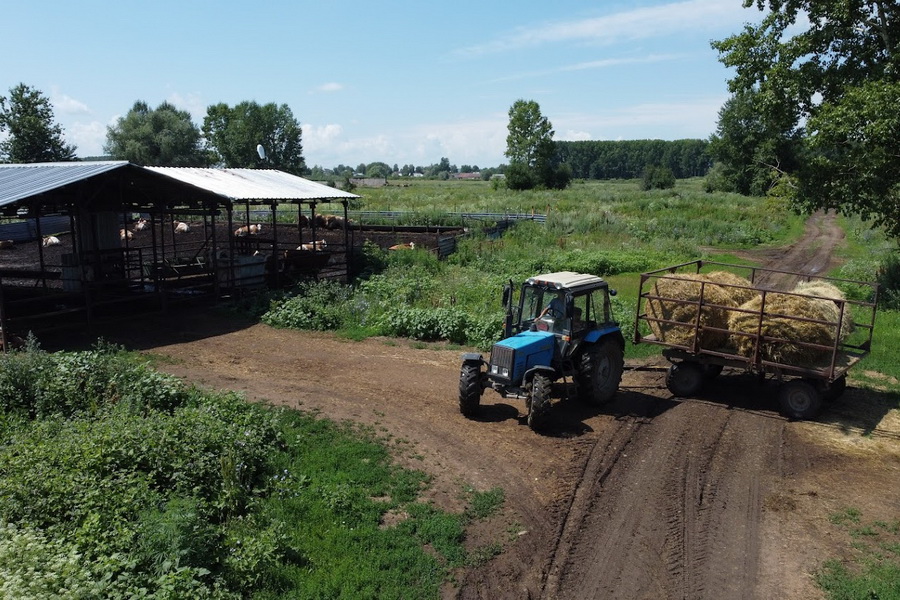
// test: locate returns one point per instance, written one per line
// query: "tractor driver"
(556, 308)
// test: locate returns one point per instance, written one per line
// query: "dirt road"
(647, 497)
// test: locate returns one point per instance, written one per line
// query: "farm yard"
(629, 363)
(733, 499)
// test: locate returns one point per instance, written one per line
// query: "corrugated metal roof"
(254, 184)
(20, 181)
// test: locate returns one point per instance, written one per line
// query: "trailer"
(699, 348)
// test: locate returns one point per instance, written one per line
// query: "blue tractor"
(561, 327)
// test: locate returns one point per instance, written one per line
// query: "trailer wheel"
(685, 378)
(470, 388)
(539, 401)
(600, 372)
(799, 399)
(713, 370)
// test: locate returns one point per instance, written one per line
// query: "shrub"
(520, 177)
(35, 566)
(318, 305)
(888, 278)
(36, 384)
(657, 178)
(426, 324)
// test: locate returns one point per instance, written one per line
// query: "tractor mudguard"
(596, 334)
(550, 371)
(473, 356)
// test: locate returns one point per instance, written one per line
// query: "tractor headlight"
(499, 370)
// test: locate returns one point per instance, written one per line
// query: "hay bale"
(740, 290)
(780, 321)
(679, 291)
(831, 299)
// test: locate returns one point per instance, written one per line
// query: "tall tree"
(26, 117)
(234, 133)
(831, 69)
(160, 137)
(530, 149)
(751, 148)
(530, 138)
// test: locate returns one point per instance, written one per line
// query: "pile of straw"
(816, 301)
(679, 294)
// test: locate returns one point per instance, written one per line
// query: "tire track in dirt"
(598, 463)
(675, 514)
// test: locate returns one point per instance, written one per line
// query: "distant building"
(372, 182)
(476, 175)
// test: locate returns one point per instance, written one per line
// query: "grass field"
(609, 228)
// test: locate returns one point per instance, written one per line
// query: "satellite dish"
(261, 151)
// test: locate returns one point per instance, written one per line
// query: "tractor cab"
(566, 304)
(560, 326)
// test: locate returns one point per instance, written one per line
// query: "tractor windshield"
(545, 309)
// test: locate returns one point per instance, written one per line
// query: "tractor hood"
(532, 340)
(513, 357)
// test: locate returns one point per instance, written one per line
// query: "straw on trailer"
(805, 316)
(680, 299)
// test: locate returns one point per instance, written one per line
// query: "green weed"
(169, 492)
(876, 571)
(482, 505)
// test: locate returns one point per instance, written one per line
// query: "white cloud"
(329, 87)
(193, 103)
(317, 138)
(67, 105)
(574, 136)
(639, 23)
(474, 142)
(594, 64)
(689, 119)
(480, 142)
(88, 137)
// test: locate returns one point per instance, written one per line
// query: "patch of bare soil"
(648, 497)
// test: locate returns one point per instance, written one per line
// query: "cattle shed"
(85, 240)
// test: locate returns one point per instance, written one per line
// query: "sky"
(396, 82)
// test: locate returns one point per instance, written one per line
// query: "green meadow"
(609, 228)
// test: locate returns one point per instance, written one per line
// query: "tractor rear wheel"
(470, 388)
(600, 372)
(539, 401)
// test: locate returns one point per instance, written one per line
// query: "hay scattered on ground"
(781, 321)
(685, 290)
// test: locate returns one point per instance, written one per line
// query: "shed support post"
(348, 250)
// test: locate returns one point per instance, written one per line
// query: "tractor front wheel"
(600, 372)
(539, 401)
(470, 388)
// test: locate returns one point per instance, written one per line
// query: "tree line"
(628, 159)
